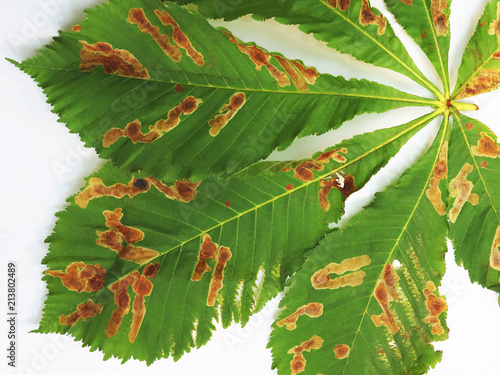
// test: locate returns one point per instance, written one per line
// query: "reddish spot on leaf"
(289, 187)
(76, 28)
(340, 4)
(287, 169)
(228, 204)
(469, 126)
(484, 164)
(482, 23)
(179, 88)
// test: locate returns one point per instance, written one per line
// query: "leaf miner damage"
(440, 173)
(312, 310)
(321, 279)
(461, 189)
(435, 306)
(298, 363)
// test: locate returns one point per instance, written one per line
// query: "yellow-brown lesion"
(304, 171)
(312, 310)
(298, 363)
(142, 287)
(486, 147)
(341, 351)
(495, 254)
(81, 277)
(485, 81)
(114, 61)
(138, 17)
(435, 306)
(208, 250)
(321, 279)
(133, 129)
(113, 238)
(345, 185)
(182, 190)
(340, 4)
(263, 59)
(216, 283)
(440, 173)
(179, 37)
(461, 189)
(439, 18)
(226, 113)
(83, 311)
(385, 293)
(494, 26)
(367, 17)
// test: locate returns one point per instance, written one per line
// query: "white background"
(42, 164)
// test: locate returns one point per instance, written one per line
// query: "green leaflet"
(214, 110)
(428, 24)
(349, 310)
(267, 222)
(343, 27)
(474, 207)
(479, 71)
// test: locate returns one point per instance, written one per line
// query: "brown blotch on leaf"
(495, 254)
(122, 301)
(486, 146)
(469, 126)
(494, 27)
(346, 187)
(129, 234)
(321, 279)
(385, 293)
(151, 270)
(367, 17)
(137, 16)
(287, 169)
(407, 2)
(142, 287)
(297, 80)
(484, 164)
(216, 283)
(440, 20)
(260, 59)
(303, 171)
(341, 351)
(113, 239)
(435, 306)
(182, 190)
(76, 28)
(461, 190)
(487, 80)
(133, 129)
(113, 61)
(208, 250)
(340, 4)
(83, 311)
(440, 173)
(179, 37)
(226, 113)
(312, 310)
(298, 363)
(81, 277)
(97, 189)
(309, 74)
(289, 187)
(179, 88)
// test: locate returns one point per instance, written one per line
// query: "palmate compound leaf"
(474, 207)
(105, 251)
(352, 309)
(479, 71)
(154, 87)
(349, 26)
